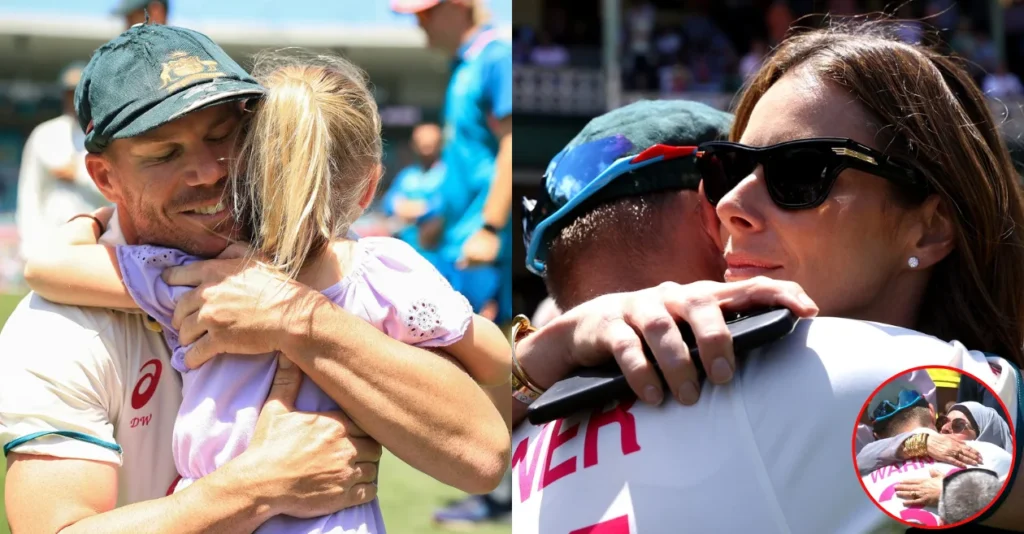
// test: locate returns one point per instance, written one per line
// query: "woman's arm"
(77, 270)
(881, 453)
(485, 354)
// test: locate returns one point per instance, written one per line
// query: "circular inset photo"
(934, 447)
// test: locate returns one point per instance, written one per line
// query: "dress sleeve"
(407, 298)
(141, 269)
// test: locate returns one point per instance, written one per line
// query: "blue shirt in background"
(479, 95)
(417, 183)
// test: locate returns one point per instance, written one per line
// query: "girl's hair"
(929, 112)
(308, 155)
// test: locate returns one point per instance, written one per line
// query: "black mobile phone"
(593, 387)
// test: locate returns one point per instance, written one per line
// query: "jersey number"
(151, 379)
(910, 515)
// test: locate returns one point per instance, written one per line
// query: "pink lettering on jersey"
(885, 472)
(141, 421)
(910, 514)
(526, 472)
(618, 525)
(627, 431)
(893, 469)
(566, 468)
(150, 379)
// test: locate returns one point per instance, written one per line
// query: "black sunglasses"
(959, 425)
(799, 174)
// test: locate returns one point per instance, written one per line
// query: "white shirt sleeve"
(30, 195)
(58, 383)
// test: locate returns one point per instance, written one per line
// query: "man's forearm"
(214, 503)
(499, 197)
(420, 406)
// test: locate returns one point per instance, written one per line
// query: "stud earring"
(913, 262)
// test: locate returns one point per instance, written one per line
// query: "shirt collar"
(469, 49)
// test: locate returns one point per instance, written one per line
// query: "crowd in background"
(704, 46)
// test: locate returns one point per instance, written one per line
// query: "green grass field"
(408, 498)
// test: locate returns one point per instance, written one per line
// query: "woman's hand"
(614, 326)
(924, 492)
(951, 451)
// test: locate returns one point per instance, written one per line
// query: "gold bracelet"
(522, 392)
(521, 327)
(916, 446)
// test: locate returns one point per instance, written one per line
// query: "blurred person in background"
(548, 53)
(1002, 83)
(476, 244)
(414, 200)
(753, 59)
(139, 11)
(53, 184)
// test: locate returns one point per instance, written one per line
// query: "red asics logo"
(150, 380)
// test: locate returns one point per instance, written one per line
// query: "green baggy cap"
(151, 75)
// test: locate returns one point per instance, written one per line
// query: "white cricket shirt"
(99, 376)
(881, 483)
(770, 452)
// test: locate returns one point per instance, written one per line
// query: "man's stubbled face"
(170, 183)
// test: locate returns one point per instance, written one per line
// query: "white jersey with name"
(881, 483)
(92, 384)
(769, 452)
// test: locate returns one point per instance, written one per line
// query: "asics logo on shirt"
(148, 381)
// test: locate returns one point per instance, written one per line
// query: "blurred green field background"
(408, 498)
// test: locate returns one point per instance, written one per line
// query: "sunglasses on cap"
(906, 399)
(587, 175)
(957, 426)
(799, 174)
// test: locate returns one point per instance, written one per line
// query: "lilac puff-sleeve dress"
(390, 286)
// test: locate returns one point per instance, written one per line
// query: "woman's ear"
(934, 233)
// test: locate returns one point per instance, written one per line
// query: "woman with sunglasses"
(867, 171)
(946, 447)
(973, 421)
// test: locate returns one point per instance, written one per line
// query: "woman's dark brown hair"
(929, 112)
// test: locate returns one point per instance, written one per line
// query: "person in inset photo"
(904, 469)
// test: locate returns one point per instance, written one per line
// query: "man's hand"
(615, 325)
(312, 464)
(237, 306)
(924, 492)
(480, 249)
